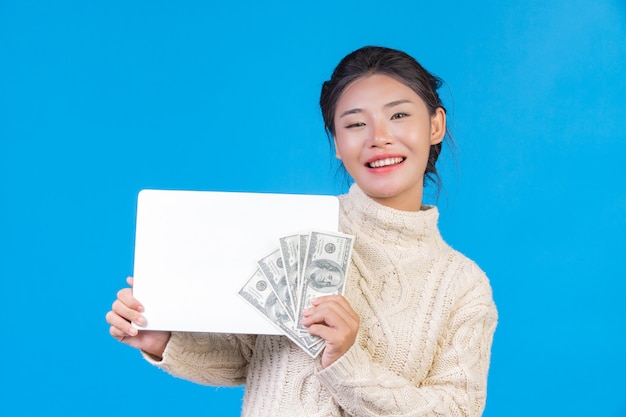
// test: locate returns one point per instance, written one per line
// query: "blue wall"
(101, 99)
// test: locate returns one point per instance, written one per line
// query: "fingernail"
(141, 320)
(132, 331)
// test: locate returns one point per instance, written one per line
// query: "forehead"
(373, 90)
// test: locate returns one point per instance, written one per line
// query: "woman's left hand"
(332, 318)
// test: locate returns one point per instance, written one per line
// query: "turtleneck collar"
(360, 214)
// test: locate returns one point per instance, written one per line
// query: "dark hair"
(371, 60)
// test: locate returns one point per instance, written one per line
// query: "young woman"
(413, 332)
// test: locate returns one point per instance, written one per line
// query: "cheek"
(408, 132)
(347, 146)
(417, 139)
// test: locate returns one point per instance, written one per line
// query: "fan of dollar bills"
(304, 266)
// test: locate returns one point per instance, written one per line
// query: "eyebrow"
(388, 105)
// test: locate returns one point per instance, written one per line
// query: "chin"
(384, 192)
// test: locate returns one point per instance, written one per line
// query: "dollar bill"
(305, 266)
(259, 293)
(325, 268)
(304, 243)
(273, 267)
(290, 251)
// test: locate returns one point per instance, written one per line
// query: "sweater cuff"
(350, 366)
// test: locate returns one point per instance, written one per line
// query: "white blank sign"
(194, 250)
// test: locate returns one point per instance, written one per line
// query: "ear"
(337, 154)
(437, 126)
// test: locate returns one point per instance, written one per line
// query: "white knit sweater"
(423, 348)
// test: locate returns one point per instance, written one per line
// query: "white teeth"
(385, 162)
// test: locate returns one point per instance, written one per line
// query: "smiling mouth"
(385, 162)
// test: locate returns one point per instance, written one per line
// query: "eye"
(355, 124)
(399, 116)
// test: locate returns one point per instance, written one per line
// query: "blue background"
(101, 99)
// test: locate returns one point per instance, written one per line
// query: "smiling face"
(383, 134)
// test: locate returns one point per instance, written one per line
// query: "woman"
(412, 334)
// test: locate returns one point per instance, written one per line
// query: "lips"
(385, 162)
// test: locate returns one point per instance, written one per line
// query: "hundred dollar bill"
(273, 268)
(302, 246)
(304, 243)
(325, 268)
(259, 294)
(290, 251)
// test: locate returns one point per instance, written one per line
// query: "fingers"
(125, 309)
(120, 318)
(331, 317)
(120, 328)
(333, 310)
(125, 296)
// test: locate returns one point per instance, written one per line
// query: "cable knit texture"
(423, 347)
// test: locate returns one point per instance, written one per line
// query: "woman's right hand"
(127, 309)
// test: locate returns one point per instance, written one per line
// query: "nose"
(380, 135)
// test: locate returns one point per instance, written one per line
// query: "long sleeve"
(207, 358)
(455, 384)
